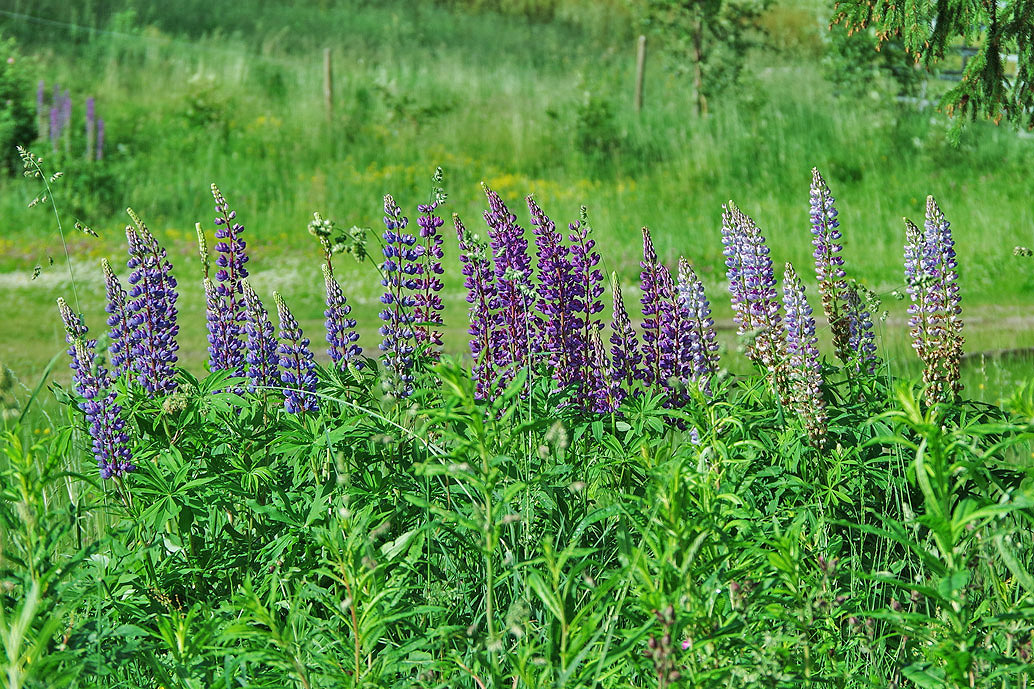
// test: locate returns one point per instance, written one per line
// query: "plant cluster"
(591, 503)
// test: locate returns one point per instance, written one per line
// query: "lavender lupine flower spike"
(261, 345)
(917, 287)
(118, 321)
(152, 326)
(804, 370)
(398, 271)
(625, 356)
(861, 341)
(341, 333)
(941, 247)
(829, 264)
(106, 427)
(227, 352)
(698, 351)
(297, 369)
(428, 309)
(561, 319)
(480, 283)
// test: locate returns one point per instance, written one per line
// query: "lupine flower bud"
(603, 392)
(658, 296)
(297, 368)
(803, 368)
(341, 333)
(625, 356)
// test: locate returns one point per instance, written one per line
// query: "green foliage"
(930, 30)
(17, 111)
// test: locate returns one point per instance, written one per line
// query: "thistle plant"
(625, 356)
(829, 264)
(226, 350)
(479, 279)
(297, 368)
(803, 368)
(118, 320)
(261, 346)
(398, 270)
(151, 310)
(341, 333)
(106, 427)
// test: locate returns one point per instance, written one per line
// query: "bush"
(17, 113)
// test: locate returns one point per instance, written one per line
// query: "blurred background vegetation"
(742, 98)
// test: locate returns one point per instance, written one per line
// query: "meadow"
(530, 402)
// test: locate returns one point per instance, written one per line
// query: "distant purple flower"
(829, 264)
(297, 369)
(658, 296)
(561, 320)
(804, 370)
(118, 320)
(40, 96)
(514, 322)
(625, 356)
(66, 110)
(398, 271)
(341, 333)
(152, 312)
(226, 353)
(91, 127)
(110, 442)
(55, 127)
(260, 345)
(100, 138)
(697, 342)
(479, 280)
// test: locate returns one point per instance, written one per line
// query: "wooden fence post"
(328, 85)
(640, 70)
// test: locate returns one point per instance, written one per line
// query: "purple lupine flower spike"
(945, 287)
(260, 346)
(804, 370)
(220, 328)
(479, 279)
(588, 279)
(917, 289)
(227, 352)
(428, 308)
(107, 428)
(752, 285)
(699, 359)
(118, 321)
(861, 342)
(603, 392)
(625, 356)
(560, 318)
(152, 326)
(657, 287)
(829, 264)
(341, 333)
(398, 278)
(515, 327)
(297, 368)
